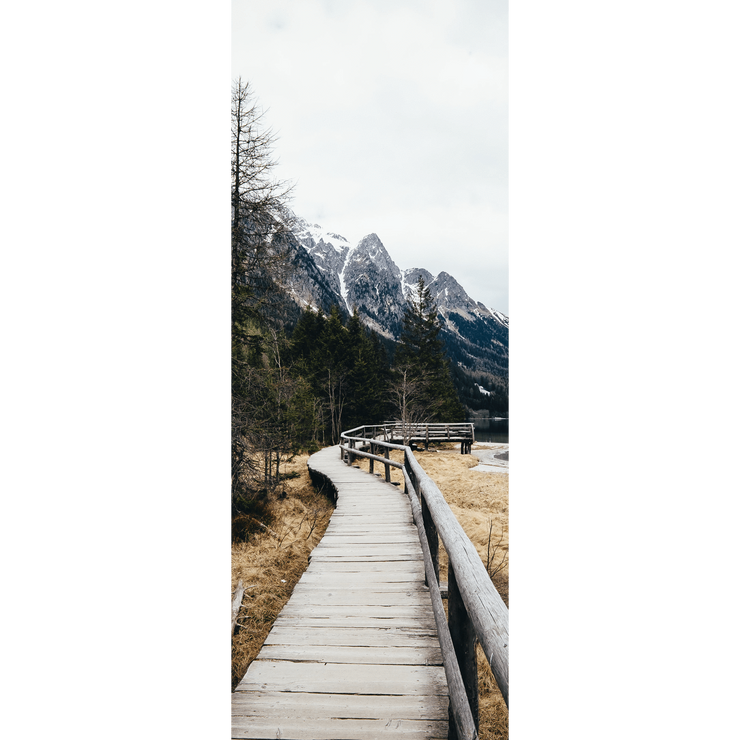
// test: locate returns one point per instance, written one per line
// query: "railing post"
(432, 536)
(407, 468)
(463, 638)
(372, 452)
(387, 467)
(350, 456)
(426, 442)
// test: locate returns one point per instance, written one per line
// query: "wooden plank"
(339, 579)
(346, 597)
(376, 540)
(369, 538)
(354, 620)
(369, 522)
(394, 569)
(353, 584)
(410, 546)
(376, 523)
(339, 678)
(377, 655)
(378, 611)
(379, 537)
(337, 706)
(357, 566)
(389, 552)
(371, 547)
(286, 634)
(290, 728)
(374, 506)
(360, 521)
(394, 553)
(369, 532)
(391, 511)
(340, 558)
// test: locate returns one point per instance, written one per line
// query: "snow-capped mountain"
(329, 270)
(328, 250)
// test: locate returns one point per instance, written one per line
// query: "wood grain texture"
(290, 728)
(339, 706)
(339, 678)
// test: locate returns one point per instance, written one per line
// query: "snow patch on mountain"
(342, 283)
(311, 235)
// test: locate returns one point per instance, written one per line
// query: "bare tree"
(260, 229)
(260, 219)
(336, 397)
(412, 402)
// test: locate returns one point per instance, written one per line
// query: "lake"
(491, 430)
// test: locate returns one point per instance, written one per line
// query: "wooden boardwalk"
(354, 654)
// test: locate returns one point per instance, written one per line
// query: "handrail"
(466, 724)
(473, 599)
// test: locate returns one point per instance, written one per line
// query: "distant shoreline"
(493, 457)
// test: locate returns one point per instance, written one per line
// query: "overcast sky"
(391, 118)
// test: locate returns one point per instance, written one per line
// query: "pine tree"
(365, 404)
(422, 384)
(335, 359)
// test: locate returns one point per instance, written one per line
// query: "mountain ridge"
(330, 270)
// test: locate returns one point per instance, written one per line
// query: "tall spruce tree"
(422, 385)
(366, 403)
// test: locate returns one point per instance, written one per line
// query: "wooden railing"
(475, 608)
(397, 431)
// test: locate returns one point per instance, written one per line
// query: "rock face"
(476, 337)
(309, 284)
(372, 282)
(329, 270)
(328, 251)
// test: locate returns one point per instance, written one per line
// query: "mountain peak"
(372, 246)
(410, 278)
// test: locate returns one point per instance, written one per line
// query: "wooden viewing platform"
(355, 652)
(418, 433)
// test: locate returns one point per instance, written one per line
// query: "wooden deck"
(354, 654)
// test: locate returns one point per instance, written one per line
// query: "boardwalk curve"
(354, 654)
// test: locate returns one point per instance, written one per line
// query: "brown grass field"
(480, 501)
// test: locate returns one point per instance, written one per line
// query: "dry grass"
(271, 563)
(476, 499)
